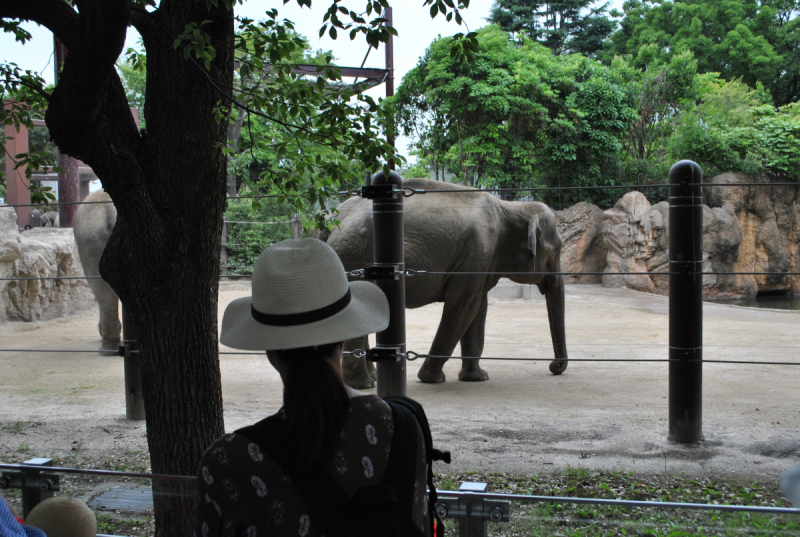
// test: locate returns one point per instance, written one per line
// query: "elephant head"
(544, 244)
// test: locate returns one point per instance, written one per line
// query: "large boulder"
(584, 248)
(39, 252)
(769, 219)
(636, 234)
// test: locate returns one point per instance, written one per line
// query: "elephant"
(50, 219)
(93, 224)
(472, 232)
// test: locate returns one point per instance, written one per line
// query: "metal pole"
(387, 228)
(33, 491)
(685, 302)
(297, 227)
(134, 399)
(223, 249)
(390, 78)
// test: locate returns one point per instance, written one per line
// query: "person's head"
(301, 309)
(63, 516)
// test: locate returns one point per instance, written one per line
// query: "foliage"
(566, 26)
(246, 241)
(517, 117)
(257, 163)
(24, 91)
(748, 40)
(133, 73)
(417, 169)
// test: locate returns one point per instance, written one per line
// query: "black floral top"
(242, 492)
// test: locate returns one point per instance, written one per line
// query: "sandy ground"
(596, 415)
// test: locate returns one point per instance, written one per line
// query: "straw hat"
(63, 516)
(301, 298)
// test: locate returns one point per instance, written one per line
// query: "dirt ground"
(596, 415)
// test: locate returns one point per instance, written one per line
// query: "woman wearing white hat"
(301, 310)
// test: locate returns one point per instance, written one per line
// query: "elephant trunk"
(554, 294)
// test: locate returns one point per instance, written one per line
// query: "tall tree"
(163, 266)
(565, 26)
(518, 115)
(755, 40)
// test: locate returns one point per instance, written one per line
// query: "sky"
(414, 25)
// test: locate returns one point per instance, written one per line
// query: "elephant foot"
(430, 374)
(558, 366)
(360, 383)
(356, 373)
(472, 374)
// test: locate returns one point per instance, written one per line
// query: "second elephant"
(469, 232)
(93, 223)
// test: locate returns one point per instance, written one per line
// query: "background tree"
(518, 115)
(568, 26)
(748, 40)
(164, 266)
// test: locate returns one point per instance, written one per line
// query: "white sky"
(413, 23)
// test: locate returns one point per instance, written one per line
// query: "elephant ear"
(533, 232)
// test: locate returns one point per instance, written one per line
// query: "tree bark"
(163, 265)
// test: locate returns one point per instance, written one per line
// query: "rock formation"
(584, 249)
(38, 252)
(636, 236)
(745, 229)
(769, 219)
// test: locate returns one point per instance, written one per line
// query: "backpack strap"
(431, 454)
(324, 497)
(400, 473)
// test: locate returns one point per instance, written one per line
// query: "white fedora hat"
(300, 298)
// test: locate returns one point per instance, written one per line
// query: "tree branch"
(144, 22)
(56, 15)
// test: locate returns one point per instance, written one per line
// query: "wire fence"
(412, 356)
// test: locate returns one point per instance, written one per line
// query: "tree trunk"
(163, 265)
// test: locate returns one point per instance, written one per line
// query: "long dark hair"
(315, 402)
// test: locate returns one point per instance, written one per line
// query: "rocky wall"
(745, 229)
(39, 252)
(769, 218)
(584, 248)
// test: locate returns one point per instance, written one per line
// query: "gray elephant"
(50, 219)
(93, 224)
(471, 232)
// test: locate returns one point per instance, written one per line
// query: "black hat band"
(294, 319)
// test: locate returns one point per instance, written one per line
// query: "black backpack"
(376, 511)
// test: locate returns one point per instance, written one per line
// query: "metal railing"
(472, 506)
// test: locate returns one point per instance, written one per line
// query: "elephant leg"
(456, 317)
(109, 325)
(356, 371)
(472, 345)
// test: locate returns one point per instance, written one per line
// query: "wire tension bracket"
(383, 354)
(384, 272)
(378, 192)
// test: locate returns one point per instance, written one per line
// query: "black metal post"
(35, 489)
(223, 249)
(685, 302)
(387, 218)
(134, 399)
